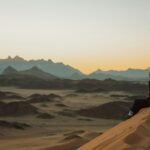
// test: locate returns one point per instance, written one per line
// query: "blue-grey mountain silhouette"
(65, 71)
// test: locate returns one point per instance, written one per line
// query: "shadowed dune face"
(111, 110)
(38, 98)
(16, 125)
(140, 134)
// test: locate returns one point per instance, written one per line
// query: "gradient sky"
(87, 34)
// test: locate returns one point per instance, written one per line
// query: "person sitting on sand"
(139, 104)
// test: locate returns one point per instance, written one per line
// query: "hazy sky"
(87, 34)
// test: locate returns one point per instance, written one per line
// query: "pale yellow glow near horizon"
(86, 34)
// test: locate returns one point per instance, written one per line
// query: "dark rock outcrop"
(45, 116)
(17, 109)
(9, 95)
(15, 125)
(113, 110)
(38, 98)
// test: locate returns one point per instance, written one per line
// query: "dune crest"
(131, 134)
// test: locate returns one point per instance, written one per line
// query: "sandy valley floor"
(64, 131)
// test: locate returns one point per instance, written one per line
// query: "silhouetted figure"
(139, 104)
(149, 86)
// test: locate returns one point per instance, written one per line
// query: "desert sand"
(33, 119)
(54, 124)
(133, 134)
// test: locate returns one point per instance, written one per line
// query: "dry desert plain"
(62, 120)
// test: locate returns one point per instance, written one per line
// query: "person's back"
(138, 105)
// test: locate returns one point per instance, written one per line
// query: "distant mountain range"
(57, 69)
(34, 71)
(127, 75)
(49, 69)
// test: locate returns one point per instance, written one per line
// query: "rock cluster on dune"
(129, 135)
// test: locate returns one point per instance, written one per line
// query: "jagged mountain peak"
(57, 69)
(36, 71)
(10, 70)
(18, 58)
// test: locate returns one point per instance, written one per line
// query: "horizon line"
(36, 59)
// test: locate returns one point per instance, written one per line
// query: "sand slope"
(133, 134)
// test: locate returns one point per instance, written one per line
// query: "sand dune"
(54, 120)
(72, 145)
(132, 134)
(112, 110)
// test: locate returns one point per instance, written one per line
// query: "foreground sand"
(133, 134)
